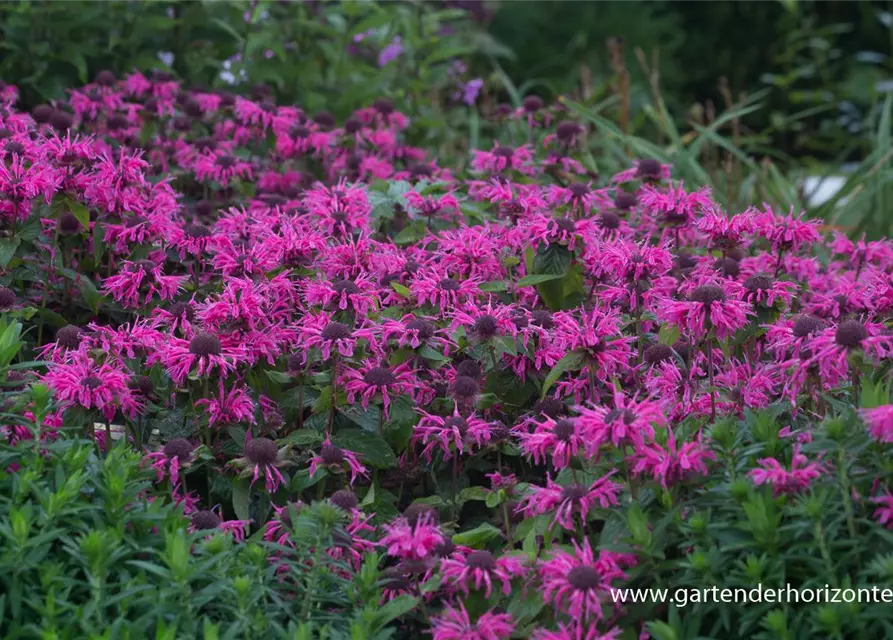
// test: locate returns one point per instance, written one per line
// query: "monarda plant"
(508, 388)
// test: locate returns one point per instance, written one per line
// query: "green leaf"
(395, 608)
(472, 493)
(571, 361)
(669, 334)
(81, 213)
(538, 278)
(430, 354)
(478, 537)
(7, 250)
(302, 438)
(413, 233)
(373, 448)
(495, 286)
(399, 288)
(98, 243)
(91, 295)
(241, 498)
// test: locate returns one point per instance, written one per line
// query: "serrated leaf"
(372, 447)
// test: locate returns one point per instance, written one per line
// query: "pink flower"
(884, 513)
(261, 457)
(370, 381)
(786, 233)
(576, 583)
(501, 158)
(137, 283)
(801, 474)
(708, 307)
(570, 500)
(221, 167)
(578, 631)
(204, 354)
(207, 522)
(671, 463)
(880, 422)
(451, 433)
(411, 541)
(455, 624)
(175, 455)
(480, 569)
(628, 422)
(562, 440)
(335, 458)
(228, 407)
(83, 381)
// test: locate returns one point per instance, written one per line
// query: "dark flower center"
(7, 298)
(850, 333)
(178, 448)
(806, 325)
(324, 119)
(542, 318)
(352, 125)
(379, 377)
(335, 331)
(68, 222)
(566, 224)
(485, 327)
(204, 520)
(758, 282)
(657, 353)
(566, 130)
(261, 451)
(448, 284)
(574, 492)
(579, 189)
(345, 498)
(626, 415)
(728, 267)
(483, 560)
(503, 152)
(331, 454)
(41, 113)
(707, 293)
(423, 328)
(383, 106)
(470, 368)
(197, 231)
(609, 221)
(551, 407)
(91, 382)
(345, 286)
(69, 336)
(564, 430)
(14, 147)
(465, 387)
(445, 548)
(226, 161)
(204, 344)
(584, 578)
(142, 385)
(532, 104)
(625, 201)
(648, 168)
(458, 423)
(416, 512)
(182, 309)
(134, 221)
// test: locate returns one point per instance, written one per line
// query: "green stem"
(845, 491)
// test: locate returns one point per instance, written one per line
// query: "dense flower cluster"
(337, 315)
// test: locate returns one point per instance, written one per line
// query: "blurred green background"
(746, 97)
